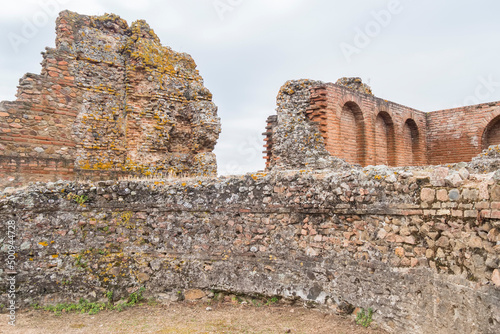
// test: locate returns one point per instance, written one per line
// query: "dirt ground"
(188, 318)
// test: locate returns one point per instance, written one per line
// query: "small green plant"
(109, 295)
(272, 301)
(79, 199)
(120, 307)
(135, 297)
(256, 303)
(217, 296)
(83, 306)
(79, 262)
(364, 319)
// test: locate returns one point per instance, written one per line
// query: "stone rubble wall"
(420, 246)
(110, 101)
(356, 84)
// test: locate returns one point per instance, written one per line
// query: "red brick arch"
(384, 139)
(489, 131)
(348, 97)
(412, 152)
(352, 133)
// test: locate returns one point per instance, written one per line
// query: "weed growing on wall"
(364, 318)
(78, 199)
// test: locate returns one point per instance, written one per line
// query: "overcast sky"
(425, 54)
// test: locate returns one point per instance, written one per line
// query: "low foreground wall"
(420, 247)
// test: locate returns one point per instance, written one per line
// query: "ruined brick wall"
(351, 125)
(362, 129)
(268, 138)
(460, 134)
(110, 101)
(419, 246)
(367, 130)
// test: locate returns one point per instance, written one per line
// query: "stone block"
(486, 205)
(442, 195)
(495, 193)
(453, 180)
(194, 294)
(470, 213)
(438, 176)
(495, 277)
(470, 194)
(454, 195)
(427, 194)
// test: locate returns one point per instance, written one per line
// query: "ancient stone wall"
(420, 246)
(362, 129)
(110, 101)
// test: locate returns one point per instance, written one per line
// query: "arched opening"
(384, 140)
(411, 149)
(491, 134)
(352, 134)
